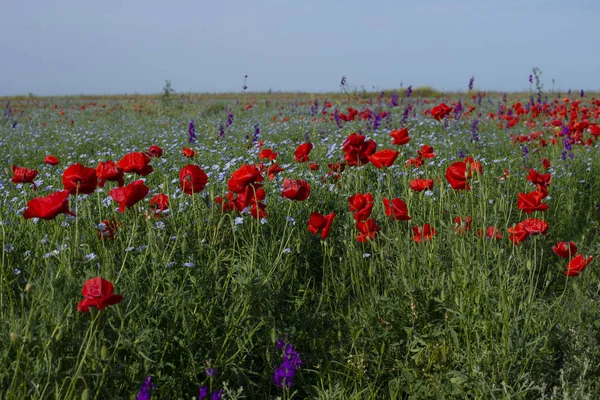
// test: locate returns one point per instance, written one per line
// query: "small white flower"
(287, 250)
(189, 264)
(290, 219)
(160, 225)
(238, 220)
(366, 255)
(90, 256)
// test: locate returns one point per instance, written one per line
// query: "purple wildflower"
(256, 132)
(394, 100)
(145, 392)
(343, 81)
(405, 114)
(221, 131)
(530, 78)
(461, 154)
(217, 395)
(244, 87)
(504, 97)
(458, 110)
(471, 81)
(202, 392)
(475, 130)
(408, 91)
(229, 119)
(336, 116)
(192, 131)
(376, 121)
(581, 93)
(210, 372)
(285, 372)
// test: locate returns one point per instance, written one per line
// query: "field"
(220, 280)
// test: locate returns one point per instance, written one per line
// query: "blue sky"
(133, 46)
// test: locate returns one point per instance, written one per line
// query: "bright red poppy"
(530, 202)
(414, 162)
(535, 226)
(154, 151)
(98, 292)
(491, 232)
(396, 209)
(368, 230)
(577, 265)
(302, 151)
(418, 184)
(246, 175)
(226, 204)
(48, 207)
(426, 152)
(565, 249)
(383, 158)
(423, 234)
(295, 189)
(159, 203)
(189, 153)
(51, 160)
(539, 179)
(440, 111)
(267, 154)
(459, 173)
(357, 149)
(462, 224)
(136, 162)
(24, 175)
(546, 163)
(109, 171)
(79, 179)
(319, 222)
(361, 205)
(192, 179)
(274, 170)
(400, 136)
(129, 195)
(313, 166)
(517, 234)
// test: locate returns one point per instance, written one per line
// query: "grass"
(459, 316)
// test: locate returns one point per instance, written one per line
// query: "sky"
(133, 46)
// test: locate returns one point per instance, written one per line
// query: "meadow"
(394, 245)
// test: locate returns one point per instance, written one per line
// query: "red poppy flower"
(546, 163)
(517, 234)
(108, 229)
(426, 151)
(154, 151)
(257, 210)
(274, 170)
(400, 136)
(98, 293)
(295, 189)
(539, 179)
(565, 249)
(424, 234)
(440, 111)
(383, 158)
(535, 226)
(460, 172)
(244, 176)
(418, 185)
(577, 265)
(462, 225)
(415, 162)
(51, 160)
(357, 149)
(136, 162)
(318, 222)
(24, 175)
(531, 202)
(48, 207)
(228, 205)
(109, 171)
(368, 230)
(337, 167)
(159, 202)
(302, 151)
(361, 205)
(79, 179)
(473, 165)
(396, 209)
(192, 179)
(267, 154)
(313, 166)
(491, 232)
(129, 195)
(189, 153)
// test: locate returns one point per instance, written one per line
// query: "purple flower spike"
(145, 392)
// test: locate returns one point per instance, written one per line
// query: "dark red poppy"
(295, 189)
(313, 166)
(357, 149)
(48, 207)
(368, 230)
(423, 234)
(361, 205)
(400, 136)
(546, 163)
(257, 210)
(192, 179)
(24, 175)
(154, 151)
(396, 209)
(383, 158)
(577, 265)
(426, 151)
(79, 179)
(129, 195)
(565, 249)
(189, 153)
(109, 171)
(539, 179)
(274, 170)
(302, 151)
(418, 185)
(440, 111)
(51, 160)
(98, 293)
(267, 154)
(136, 162)
(246, 175)
(491, 232)
(530, 202)
(318, 222)
(337, 167)
(226, 204)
